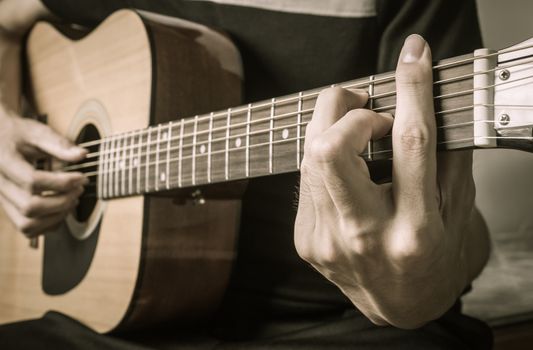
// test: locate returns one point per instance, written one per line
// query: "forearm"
(16, 17)
(9, 74)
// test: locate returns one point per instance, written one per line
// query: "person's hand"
(395, 250)
(35, 200)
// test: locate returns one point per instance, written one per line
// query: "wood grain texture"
(156, 257)
(64, 74)
(188, 249)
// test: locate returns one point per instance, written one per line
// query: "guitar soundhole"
(69, 250)
(88, 199)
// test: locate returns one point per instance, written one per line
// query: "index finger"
(331, 105)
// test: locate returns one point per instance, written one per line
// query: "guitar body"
(127, 262)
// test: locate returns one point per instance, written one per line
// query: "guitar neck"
(265, 138)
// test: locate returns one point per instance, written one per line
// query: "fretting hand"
(398, 251)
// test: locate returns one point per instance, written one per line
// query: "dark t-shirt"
(274, 297)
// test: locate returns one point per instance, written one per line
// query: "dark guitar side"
(187, 248)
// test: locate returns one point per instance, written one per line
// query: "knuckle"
(361, 119)
(415, 75)
(70, 203)
(360, 236)
(303, 249)
(325, 149)
(414, 139)
(30, 207)
(407, 248)
(27, 226)
(360, 115)
(328, 255)
(31, 181)
(67, 182)
(362, 246)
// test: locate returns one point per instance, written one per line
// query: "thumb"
(414, 131)
(47, 140)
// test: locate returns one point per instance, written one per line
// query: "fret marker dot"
(285, 133)
(238, 142)
(202, 149)
(162, 176)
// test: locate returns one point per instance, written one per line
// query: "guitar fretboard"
(261, 138)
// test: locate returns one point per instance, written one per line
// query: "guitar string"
(166, 150)
(469, 139)
(146, 146)
(153, 131)
(242, 149)
(439, 143)
(267, 105)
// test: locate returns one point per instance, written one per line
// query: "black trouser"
(342, 330)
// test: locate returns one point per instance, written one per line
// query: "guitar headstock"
(513, 97)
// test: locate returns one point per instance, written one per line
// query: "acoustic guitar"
(153, 238)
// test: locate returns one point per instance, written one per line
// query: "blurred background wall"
(504, 181)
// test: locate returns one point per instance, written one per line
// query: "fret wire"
(258, 132)
(117, 166)
(463, 92)
(109, 163)
(285, 115)
(303, 138)
(371, 106)
(299, 131)
(226, 166)
(180, 156)
(439, 111)
(312, 109)
(209, 143)
(253, 133)
(111, 166)
(101, 171)
(138, 161)
(393, 106)
(468, 139)
(169, 138)
(116, 182)
(362, 84)
(271, 136)
(147, 164)
(247, 155)
(123, 168)
(130, 179)
(309, 110)
(195, 129)
(362, 154)
(156, 177)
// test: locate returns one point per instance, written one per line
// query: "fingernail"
(359, 91)
(78, 150)
(413, 48)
